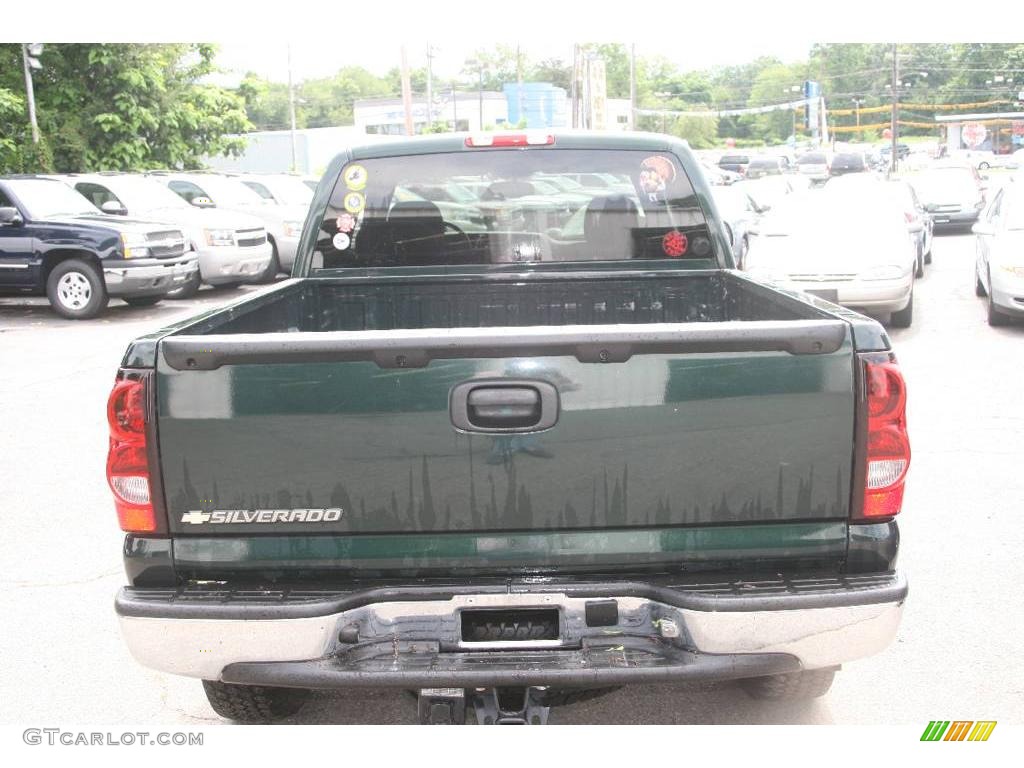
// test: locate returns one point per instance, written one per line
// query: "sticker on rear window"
(346, 222)
(354, 202)
(656, 173)
(355, 177)
(341, 241)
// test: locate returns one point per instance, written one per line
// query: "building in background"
(464, 112)
(543, 105)
(1000, 132)
(271, 151)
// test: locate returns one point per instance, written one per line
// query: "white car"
(847, 248)
(278, 188)
(814, 165)
(232, 247)
(999, 266)
(283, 222)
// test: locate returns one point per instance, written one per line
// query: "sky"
(270, 59)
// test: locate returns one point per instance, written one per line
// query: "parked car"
(283, 223)
(54, 242)
(740, 213)
(766, 165)
(814, 165)
(952, 194)
(769, 190)
(816, 242)
(919, 221)
(279, 188)
(735, 163)
(848, 162)
(719, 176)
(499, 462)
(999, 266)
(861, 188)
(232, 247)
(885, 153)
(982, 159)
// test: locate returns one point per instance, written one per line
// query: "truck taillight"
(888, 446)
(127, 459)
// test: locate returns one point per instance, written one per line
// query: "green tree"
(329, 101)
(127, 106)
(500, 65)
(554, 71)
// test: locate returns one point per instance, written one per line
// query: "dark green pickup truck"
(509, 441)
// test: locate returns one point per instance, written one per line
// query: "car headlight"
(134, 245)
(890, 272)
(292, 228)
(1013, 269)
(219, 236)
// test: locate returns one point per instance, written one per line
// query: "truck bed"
(376, 304)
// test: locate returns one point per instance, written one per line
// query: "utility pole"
(895, 105)
(480, 91)
(519, 83)
(455, 109)
(291, 104)
(30, 62)
(430, 89)
(632, 86)
(574, 94)
(406, 94)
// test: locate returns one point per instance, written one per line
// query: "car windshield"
(43, 198)
(226, 192)
(378, 215)
(813, 158)
(288, 190)
(140, 193)
(830, 216)
(945, 182)
(732, 202)
(849, 160)
(734, 159)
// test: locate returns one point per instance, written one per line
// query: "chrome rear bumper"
(661, 633)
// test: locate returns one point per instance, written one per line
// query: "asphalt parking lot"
(957, 655)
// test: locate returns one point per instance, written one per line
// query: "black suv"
(54, 242)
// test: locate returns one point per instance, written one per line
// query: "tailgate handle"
(503, 406)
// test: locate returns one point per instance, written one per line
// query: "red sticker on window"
(674, 244)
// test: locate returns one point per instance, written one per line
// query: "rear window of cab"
(499, 206)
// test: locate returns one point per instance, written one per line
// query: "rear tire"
(142, 301)
(808, 684)
(226, 286)
(270, 273)
(76, 290)
(905, 316)
(920, 265)
(253, 703)
(995, 318)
